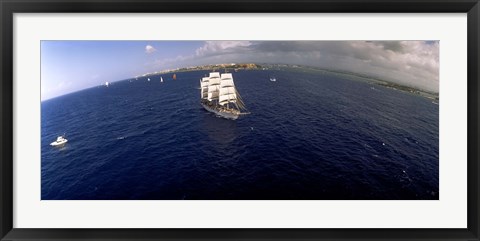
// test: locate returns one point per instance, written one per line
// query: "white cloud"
(149, 49)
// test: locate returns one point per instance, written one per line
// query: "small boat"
(273, 79)
(148, 79)
(161, 79)
(174, 77)
(107, 84)
(60, 141)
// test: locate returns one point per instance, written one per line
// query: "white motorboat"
(59, 142)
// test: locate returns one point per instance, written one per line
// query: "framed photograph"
(258, 120)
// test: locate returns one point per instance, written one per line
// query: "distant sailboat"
(107, 84)
(219, 95)
(272, 78)
(148, 79)
(161, 79)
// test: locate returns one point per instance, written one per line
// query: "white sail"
(227, 90)
(204, 87)
(214, 75)
(226, 80)
(226, 76)
(227, 83)
(213, 81)
(230, 98)
(212, 95)
(213, 86)
(204, 82)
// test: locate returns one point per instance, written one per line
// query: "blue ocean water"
(310, 136)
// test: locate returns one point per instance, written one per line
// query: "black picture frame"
(9, 7)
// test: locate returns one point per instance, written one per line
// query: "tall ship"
(219, 95)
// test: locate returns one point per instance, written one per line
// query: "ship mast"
(204, 87)
(227, 90)
(229, 94)
(213, 86)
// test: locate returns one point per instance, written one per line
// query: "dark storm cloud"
(413, 63)
(394, 46)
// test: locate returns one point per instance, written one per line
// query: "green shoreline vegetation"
(234, 67)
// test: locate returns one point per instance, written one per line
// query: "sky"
(69, 66)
